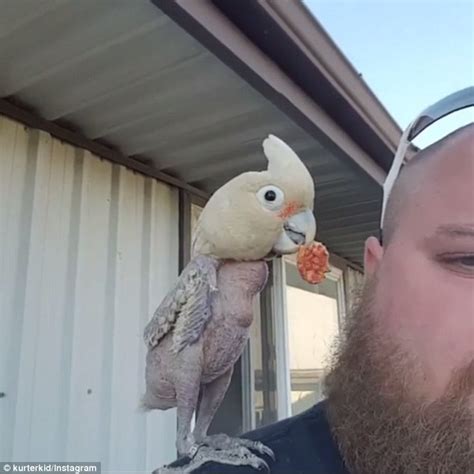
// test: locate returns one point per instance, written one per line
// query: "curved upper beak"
(298, 230)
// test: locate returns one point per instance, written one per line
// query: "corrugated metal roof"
(87, 251)
(125, 74)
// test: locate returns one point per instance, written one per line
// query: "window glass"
(313, 325)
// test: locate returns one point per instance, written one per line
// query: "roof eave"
(289, 34)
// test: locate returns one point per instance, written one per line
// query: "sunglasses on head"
(452, 103)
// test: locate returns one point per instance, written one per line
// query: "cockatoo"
(200, 329)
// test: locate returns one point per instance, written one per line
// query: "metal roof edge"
(336, 65)
(289, 34)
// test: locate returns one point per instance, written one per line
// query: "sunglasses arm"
(395, 169)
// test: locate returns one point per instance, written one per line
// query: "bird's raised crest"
(280, 156)
(284, 162)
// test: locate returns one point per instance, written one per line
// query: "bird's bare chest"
(232, 314)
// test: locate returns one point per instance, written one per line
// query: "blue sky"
(411, 54)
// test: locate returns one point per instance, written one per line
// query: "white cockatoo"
(201, 327)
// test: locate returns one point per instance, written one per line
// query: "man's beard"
(381, 423)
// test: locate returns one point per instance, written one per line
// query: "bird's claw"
(262, 449)
(193, 450)
(171, 470)
(222, 441)
(235, 456)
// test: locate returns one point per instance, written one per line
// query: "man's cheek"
(406, 310)
(453, 332)
(430, 324)
(401, 295)
(446, 322)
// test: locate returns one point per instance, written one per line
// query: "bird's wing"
(187, 307)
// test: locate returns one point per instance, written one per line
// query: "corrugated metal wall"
(87, 251)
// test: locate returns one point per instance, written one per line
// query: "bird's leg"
(184, 438)
(187, 392)
(219, 448)
(212, 395)
(222, 448)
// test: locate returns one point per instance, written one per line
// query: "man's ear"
(372, 256)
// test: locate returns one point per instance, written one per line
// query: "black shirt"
(302, 444)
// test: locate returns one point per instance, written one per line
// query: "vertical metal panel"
(87, 251)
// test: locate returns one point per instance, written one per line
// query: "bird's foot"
(224, 442)
(237, 455)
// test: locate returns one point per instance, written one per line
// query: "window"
(314, 315)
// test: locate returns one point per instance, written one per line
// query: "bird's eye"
(271, 197)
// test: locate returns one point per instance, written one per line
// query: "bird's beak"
(298, 230)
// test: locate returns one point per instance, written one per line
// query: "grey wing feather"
(187, 307)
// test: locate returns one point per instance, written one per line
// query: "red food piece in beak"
(313, 262)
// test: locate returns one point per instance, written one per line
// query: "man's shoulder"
(302, 444)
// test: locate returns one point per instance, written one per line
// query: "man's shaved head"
(401, 390)
(406, 182)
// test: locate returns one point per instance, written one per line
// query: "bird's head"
(257, 214)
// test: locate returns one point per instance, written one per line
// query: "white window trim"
(337, 275)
